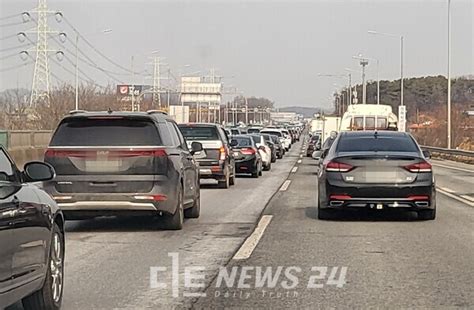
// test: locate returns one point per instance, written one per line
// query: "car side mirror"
(317, 155)
(196, 147)
(427, 154)
(38, 171)
(234, 143)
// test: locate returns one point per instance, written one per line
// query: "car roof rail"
(156, 112)
(72, 112)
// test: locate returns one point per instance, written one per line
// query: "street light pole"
(449, 75)
(401, 70)
(77, 74)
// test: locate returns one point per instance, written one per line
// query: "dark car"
(31, 238)
(273, 147)
(280, 150)
(314, 144)
(376, 170)
(247, 157)
(216, 160)
(123, 163)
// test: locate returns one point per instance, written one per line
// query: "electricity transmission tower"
(156, 90)
(41, 85)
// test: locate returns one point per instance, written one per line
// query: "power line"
(98, 51)
(13, 24)
(15, 47)
(8, 37)
(15, 67)
(10, 16)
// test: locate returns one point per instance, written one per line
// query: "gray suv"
(123, 163)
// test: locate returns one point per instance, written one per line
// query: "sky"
(272, 49)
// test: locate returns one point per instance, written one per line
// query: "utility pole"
(449, 75)
(133, 84)
(364, 63)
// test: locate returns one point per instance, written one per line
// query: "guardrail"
(451, 154)
(25, 139)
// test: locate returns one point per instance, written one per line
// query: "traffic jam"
(127, 164)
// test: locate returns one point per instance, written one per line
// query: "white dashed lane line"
(252, 241)
(285, 185)
(294, 169)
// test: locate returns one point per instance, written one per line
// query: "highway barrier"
(25, 145)
(451, 154)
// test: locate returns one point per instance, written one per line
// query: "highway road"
(392, 260)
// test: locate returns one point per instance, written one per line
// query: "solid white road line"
(285, 185)
(294, 169)
(456, 197)
(446, 189)
(454, 168)
(252, 241)
(468, 197)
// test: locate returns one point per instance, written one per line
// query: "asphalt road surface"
(383, 260)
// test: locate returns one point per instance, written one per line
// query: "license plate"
(103, 166)
(236, 154)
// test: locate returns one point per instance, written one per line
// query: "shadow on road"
(366, 215)
(118, 224)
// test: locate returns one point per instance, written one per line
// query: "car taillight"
(139, 153)
(157, 197)
(52, 153)
(247, 151)
(334, 166)
(339, 197)
(223, 153)
(418, 197)
(65, 153)
(419, 167)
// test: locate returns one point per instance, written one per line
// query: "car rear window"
(256, 139)
(253, 130)
(376, 144)
(275, 133)
(199, 133)
(106, 132)
(243, 142)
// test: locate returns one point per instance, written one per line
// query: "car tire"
(260, 173)
(175, 221)
(427, 215)
(268, 167)
(280, 156)
(195, 210)
(232, 179)
(50, 294)
(224, 183)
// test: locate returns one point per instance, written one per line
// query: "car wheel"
(176, 220)
(50, 295)
(195, 210)
(224, 183)
(268, 167)
(427, 215)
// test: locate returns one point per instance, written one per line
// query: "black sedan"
(375, 170)
(314, 144)
(31, 238)
(246, 155)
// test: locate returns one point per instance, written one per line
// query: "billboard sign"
(125, 92)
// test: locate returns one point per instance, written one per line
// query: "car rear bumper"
(161, 198)
(246, 166)
(214, 171)
(408, 196)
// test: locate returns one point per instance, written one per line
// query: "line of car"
(113, 163)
